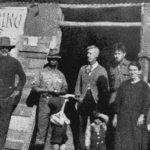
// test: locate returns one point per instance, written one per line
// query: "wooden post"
(145, 45)
(95, 6)
(99, 24)
(145, 68)
(145, 36)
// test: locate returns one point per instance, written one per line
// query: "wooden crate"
(21, 128)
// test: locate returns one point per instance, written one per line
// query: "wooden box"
(21, 128)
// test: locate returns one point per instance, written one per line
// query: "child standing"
(59, 123)
(96, 132)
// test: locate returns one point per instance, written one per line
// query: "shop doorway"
(80, 33)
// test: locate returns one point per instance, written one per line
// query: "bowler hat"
(5, 43)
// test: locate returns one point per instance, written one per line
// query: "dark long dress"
(131, 101)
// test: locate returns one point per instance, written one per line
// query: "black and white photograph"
(74, 74)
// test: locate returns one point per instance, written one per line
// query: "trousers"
(47, 106)
(6, 108)
(86, 109)
(43, 119)
(73, 116)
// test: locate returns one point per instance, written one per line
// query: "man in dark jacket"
(9, 93)
(118, 73)
(91, 90)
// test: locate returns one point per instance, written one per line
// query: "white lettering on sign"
(12, 20)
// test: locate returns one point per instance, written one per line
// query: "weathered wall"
(43, 25)
(80, 1)
(40, 26)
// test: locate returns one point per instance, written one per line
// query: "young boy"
(96, 132)
(59, 123)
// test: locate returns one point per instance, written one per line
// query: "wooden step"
(14, 144)
(21, 128)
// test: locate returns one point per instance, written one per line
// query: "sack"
(59, 119)
(33, 98)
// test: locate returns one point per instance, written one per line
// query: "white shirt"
(93, 67)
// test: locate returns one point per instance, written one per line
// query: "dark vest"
(97, 139)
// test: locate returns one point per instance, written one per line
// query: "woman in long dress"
(131, 107)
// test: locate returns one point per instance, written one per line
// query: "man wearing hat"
(50, 83)
(91, 90)
(9, 92)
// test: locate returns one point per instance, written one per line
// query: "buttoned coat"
(97, 81)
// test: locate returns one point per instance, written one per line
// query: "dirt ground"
(69, 144)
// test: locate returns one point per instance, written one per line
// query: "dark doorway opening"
(76, 39)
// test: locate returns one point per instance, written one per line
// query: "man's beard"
(52, 65)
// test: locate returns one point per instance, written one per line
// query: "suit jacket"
(97, 81)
